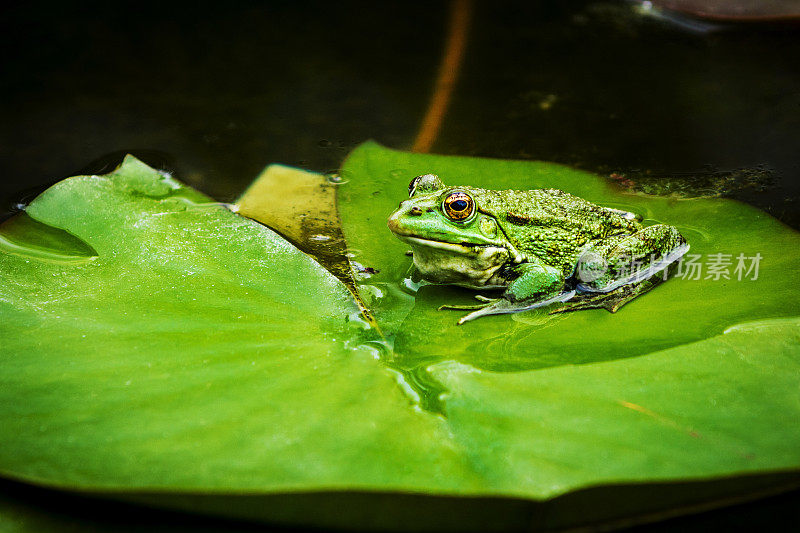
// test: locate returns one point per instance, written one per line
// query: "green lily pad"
(198, 350)
(166, 351)
(677, 312)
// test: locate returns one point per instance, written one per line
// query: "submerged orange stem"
(460, 14)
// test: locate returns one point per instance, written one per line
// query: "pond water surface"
(217, 91)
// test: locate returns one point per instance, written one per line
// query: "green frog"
(539, 247)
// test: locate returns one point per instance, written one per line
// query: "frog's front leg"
(534, 284)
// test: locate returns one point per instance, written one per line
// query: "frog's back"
(552, 224)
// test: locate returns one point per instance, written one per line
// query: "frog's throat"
(468, 265)
(461, 249)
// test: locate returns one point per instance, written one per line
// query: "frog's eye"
(425, 184)
(458, 206)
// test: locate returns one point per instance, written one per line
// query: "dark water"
(216, 91)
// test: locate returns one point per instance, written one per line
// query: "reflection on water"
(26, 237)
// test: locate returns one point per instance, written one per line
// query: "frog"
(537, 247)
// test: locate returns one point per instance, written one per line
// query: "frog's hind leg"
(629, 259)
(611, 301)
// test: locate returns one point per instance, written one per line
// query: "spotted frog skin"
(539, 246)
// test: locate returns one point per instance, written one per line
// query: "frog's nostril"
(415, 211)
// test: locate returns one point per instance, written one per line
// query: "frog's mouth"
(458, 248)
(462, 248)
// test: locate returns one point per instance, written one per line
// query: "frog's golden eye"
(426, 183)
(458, 206)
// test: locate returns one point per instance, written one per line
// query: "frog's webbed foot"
(610, 301)
(499, 306)
(479, 297)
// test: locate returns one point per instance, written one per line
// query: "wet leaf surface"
(301, 206)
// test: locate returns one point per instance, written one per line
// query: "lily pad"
(306, 215)
(197, 351)
(186, 357)
(680, 311)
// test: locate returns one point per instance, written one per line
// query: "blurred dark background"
(214, 91)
